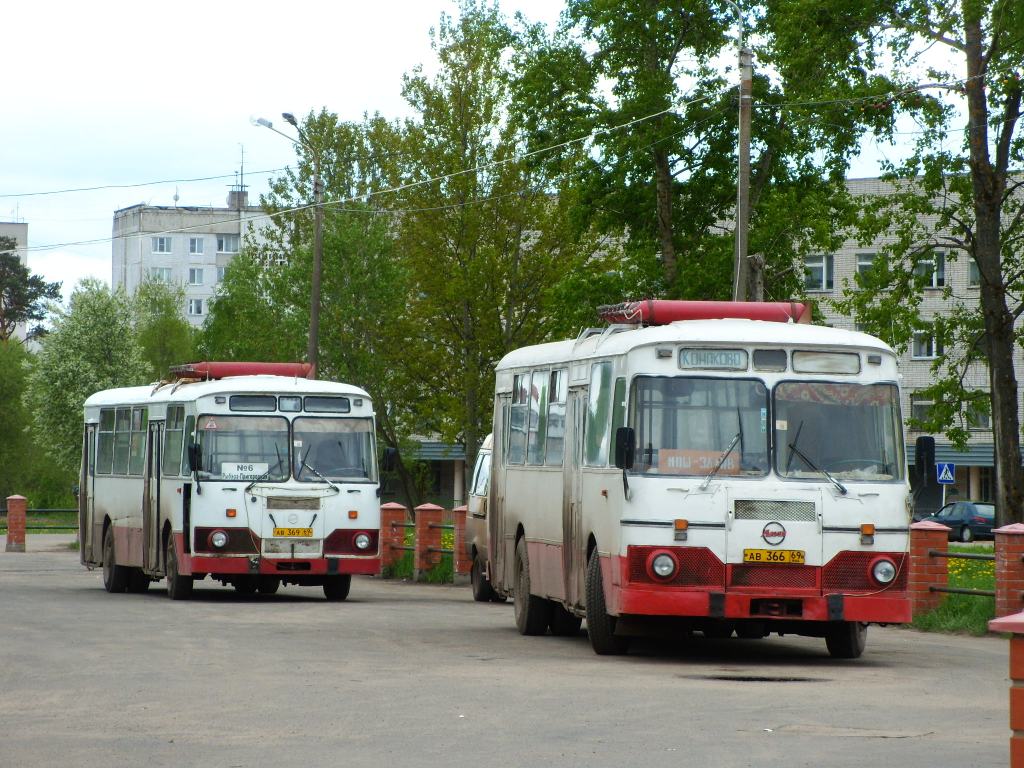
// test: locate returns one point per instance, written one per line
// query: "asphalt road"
(415, 675)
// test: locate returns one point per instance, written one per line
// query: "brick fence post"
(1009, 568)
(927, 571)
(16, 506)
(427, 538)
(1015, 625)
(461, 563)
(392, 533)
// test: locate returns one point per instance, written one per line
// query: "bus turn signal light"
(867, 533)
(353, 514)
(231, 512)
(681, 527)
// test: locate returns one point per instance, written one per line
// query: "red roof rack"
(664, 311)
(220, 370)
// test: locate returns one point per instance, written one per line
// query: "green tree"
(483, 237)
(93, 346)
(14, 419)
(956, 202)
(165, 336)
(23, 296)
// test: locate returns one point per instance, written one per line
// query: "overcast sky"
(118, 93)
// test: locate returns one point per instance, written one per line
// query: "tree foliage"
(23, 296)
(93, 346)
(165, 336)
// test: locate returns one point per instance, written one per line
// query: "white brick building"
(187, 246)
(826, 277)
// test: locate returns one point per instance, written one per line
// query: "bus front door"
(496, 501)
(86, 505)
(151, 499)
(574, 543)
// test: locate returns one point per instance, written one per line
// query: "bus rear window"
(253, 403)
(320, 404)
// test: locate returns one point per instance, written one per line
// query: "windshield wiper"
(313, 469)
(816, 468)
(721, 459)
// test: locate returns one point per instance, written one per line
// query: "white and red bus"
(725, 473)
(248, 473)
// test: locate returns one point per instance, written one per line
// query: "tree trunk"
(988, 187)
(663, 186)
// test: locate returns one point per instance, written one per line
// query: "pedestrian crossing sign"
(946, 472)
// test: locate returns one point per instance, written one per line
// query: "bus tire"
(179, 587)
(268, 585)
(563, 623)
(336, 588)
(138, 582)
(846, 640)
(532, 613)
(482, 590)
(115, 577)
(245, 585)
(601, 626)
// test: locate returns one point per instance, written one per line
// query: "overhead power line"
(132, 186)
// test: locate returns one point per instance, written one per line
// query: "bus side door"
(86, 505)
(574, 544)
(496, 545)
(151, 498)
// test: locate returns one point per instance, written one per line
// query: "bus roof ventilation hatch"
(665, 311)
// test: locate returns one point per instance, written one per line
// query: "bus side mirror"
(195, 457)
(924, 459)
(625, 447)
(390, 459)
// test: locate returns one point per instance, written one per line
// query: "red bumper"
(707, 588)
(202, 565)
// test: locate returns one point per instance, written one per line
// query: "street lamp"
(318, 234)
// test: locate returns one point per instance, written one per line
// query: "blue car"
(967, 520)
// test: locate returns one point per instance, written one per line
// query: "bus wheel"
(178, 587)
(532, 613)
(245, 585)
(268, 585)
(482, 590)
(600, 626)
(563, 623)
(336, 587)
(115, 577)
(138, 582)
(846, 640)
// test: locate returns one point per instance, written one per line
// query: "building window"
(195, 277)
(926, 346)
(195, 306)
(978, 417)
(933, 270)
(220, 274)
(195, 245)
(920, 408)
(160, 274)
(227, 243)
(865, 261)
(973, 274)
(161, 245)
(818, 273)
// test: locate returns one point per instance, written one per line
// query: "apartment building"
(18, 231)
(186, 246)
(826, 276)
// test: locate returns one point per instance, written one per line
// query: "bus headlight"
(663, 565)
(362, 541)
(218, 539)
(883, 571)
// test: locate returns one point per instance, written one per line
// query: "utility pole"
(741, 268)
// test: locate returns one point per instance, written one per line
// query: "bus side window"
(137, 448)
(556, 418)
(599, 415)
(538, 418)
(173, 440)
(516, 431)
(105, 443)
(122, 440)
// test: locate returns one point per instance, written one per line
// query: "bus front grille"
(696, 567)
(850, 572)
(778, 511)
(780, 576)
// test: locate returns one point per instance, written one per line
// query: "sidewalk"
(44, 542)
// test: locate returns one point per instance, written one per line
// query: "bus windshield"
(333, 449)
(850, 431)
(243, 447)
(690, 426)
